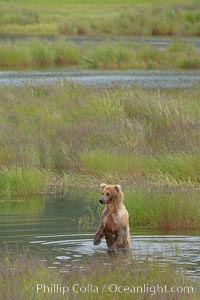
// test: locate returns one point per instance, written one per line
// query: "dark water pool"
(57, 228)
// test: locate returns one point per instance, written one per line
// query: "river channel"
(54, 227)
(105, 78)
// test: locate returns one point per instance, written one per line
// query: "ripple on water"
(176, 249)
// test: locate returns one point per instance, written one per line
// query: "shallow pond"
(99, 78)
(58, 228)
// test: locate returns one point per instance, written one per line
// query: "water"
(162, 42)
(159, 42)
(55, 227)
(99, 78)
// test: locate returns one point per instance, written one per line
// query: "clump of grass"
(15, 55)
(188, 62)
(181, 167)
(113, 55)
(65, 29)
(38, 53)
(88, 220)
(74, 27)
(103, 162)
(18, 181)
(183, 55)
(163, 209)
(108, 57)
(41, 53)
(178, 167)
(66, 54)
(20, 275)
(149, 57)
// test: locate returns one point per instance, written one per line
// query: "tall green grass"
(107, 17)
(136, 137)
(137, 133)
(18, 181)
(20, 275)
(112, 55)
(131, 135)
(177, 167)
(14, 55)
(38, 53)
(163, 209)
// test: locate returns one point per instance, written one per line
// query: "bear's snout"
(102, 200)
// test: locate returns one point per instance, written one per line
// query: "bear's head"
(111, 194)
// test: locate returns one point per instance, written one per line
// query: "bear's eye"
(107, 194)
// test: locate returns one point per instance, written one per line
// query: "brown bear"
(114, 220)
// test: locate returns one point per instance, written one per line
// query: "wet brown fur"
(114, 223)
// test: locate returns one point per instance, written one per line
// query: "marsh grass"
(18, 181)
(14, 55)
(41, 53)
(66, 54)
(20, 275)
(104, 18)
(134, 133)
(180, 167)
(106, 55)
(135, 137)
(163, 209)
(183, 55)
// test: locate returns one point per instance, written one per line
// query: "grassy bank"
(22, 181)
(20, 275)
(129, 17)
(135, 134)
(104, 55)
(141, 138)
(163, 208)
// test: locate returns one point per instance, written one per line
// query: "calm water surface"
(105, 78)
(55, 226)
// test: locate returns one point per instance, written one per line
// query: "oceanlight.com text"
(112, 288)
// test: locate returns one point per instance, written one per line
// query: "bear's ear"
(103, 186)
(118, 187)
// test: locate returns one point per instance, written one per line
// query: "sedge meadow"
(60, 138)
